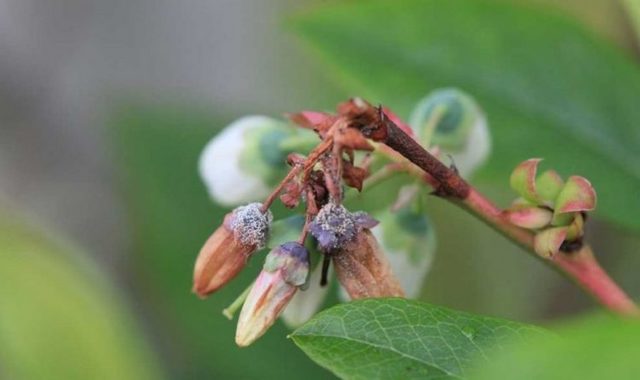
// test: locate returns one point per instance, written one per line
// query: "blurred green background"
(105, 107)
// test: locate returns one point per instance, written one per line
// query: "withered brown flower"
(363, 269)
(360, 264)
(225, 253)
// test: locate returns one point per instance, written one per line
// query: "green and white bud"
(408, 240)
(245, 159)
(305, 304)
(285, 270)
(451, 120)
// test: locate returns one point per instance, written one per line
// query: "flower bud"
(243, 231)
(363, 270)
(335, 226)
(246, 158)
(529, 216)
(577, 195)
(408, 240)
(547, 242)
(305, 304)
(285, 270)
(452, 120)
(523, 180)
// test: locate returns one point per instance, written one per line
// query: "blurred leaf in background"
(600, 347)
(60, 318)
(159, 148)
(550, 88)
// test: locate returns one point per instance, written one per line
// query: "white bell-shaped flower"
(228, 182)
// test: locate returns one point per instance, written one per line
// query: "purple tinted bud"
(292, 259)
(335, 226)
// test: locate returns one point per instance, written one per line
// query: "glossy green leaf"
(400, 339)
(601, 348)
(60, 317)
(549, 87)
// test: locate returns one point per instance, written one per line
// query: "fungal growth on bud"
(451, 121)
(555, 209)
(285, 270)
(364, 271)
(243, 231)
(335, 226)
(361, 267)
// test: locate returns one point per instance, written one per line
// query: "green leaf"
(600, 348)
(60, 317)
(549, 87)
(398, 339)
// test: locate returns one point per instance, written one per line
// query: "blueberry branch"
(578, 265)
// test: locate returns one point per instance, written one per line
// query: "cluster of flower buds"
(552, 207)
(245, 161)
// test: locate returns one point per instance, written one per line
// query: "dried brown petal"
(221, 258)
(291, 194)
(351, 138)
(364, 271)
(353, 176)
(318, 121)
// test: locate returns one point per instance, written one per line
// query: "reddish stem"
(585, 270)
(308, 164)
(580, 266)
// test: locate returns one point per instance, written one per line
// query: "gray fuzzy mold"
(250, 225)
(335, 226)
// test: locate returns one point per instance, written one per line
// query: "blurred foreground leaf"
(402, 339)
(59, 317)
(602, 348)
(172, 216)
(550, 88)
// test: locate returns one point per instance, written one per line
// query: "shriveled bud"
(285, 270)
(363, 270)
(335, 226)
(243, 231)
(452, 120)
